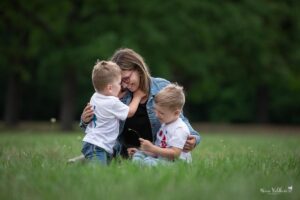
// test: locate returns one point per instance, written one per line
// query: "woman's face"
(130, 80)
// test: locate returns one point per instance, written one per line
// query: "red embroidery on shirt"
(160, 133)
(163, 143)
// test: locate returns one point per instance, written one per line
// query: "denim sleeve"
(192, 131)
(83, 125)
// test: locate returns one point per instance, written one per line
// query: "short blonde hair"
(104, 73)
(128, 59)
(171, 97)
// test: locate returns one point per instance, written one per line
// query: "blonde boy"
(103, 130)
(171, 137)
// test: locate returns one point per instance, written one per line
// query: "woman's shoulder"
(158, 83)
(159, 80)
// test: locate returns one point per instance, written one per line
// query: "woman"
(144, 123)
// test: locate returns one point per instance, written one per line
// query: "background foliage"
(238, 60)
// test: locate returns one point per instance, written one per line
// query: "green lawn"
(225, 166)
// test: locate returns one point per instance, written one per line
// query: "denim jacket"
(155, 86)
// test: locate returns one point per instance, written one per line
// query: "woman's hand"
(131, 151)
(87, 114)
(189, 144)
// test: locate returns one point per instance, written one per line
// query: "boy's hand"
(146, 145)
(122, 93)
(131, 151)
(139, 94)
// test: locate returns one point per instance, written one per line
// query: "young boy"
(103, 130)
(171, 137)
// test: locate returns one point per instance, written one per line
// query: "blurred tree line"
(238, 60)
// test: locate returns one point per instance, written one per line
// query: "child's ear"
(177, 112)
(109, 87)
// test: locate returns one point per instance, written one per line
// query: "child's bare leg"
(80, 158)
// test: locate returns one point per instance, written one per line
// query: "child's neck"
(173, 120)
(105, 92)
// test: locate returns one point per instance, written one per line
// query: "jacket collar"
(153, 88)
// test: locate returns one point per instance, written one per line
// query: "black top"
(135, 127)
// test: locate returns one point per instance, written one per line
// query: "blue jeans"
(95, 153)
(141, 158)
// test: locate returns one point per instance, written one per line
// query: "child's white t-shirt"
(103, 130)
(174, 135)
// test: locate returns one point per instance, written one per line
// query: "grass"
(225, 166)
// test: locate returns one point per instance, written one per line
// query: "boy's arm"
(170, 153)
(134, 104)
